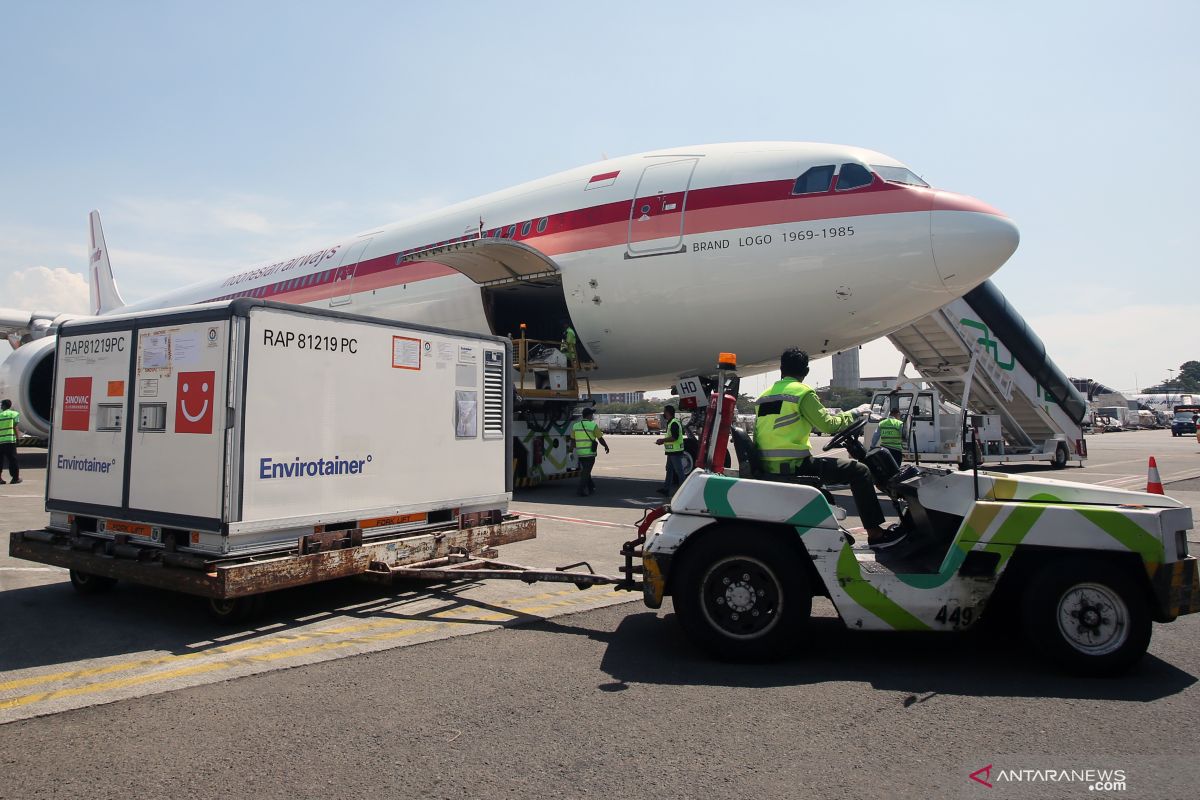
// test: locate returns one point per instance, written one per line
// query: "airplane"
(659, 261)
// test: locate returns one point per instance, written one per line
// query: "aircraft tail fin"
(103, 291)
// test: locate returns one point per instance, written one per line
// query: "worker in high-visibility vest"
(585, 432)
(569, 345)
(891, 435)
(787, 413)
(8, 441)
(673, 443)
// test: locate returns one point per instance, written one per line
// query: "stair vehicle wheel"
(87, 583)
(742, 594)
(1060, 456)
(232, 610)
(1090, 617)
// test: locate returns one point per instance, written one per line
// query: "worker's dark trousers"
(897, 454)
(586, 484)
(675, 473)
(8, 456)
(855, 473)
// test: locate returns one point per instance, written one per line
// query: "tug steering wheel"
(841, 438)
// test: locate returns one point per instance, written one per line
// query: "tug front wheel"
(1089, 617)
(743, 595)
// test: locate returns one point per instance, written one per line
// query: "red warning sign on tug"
(194, 395)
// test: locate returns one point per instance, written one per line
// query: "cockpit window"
(814, 179)
(898, 175)
(853, 176)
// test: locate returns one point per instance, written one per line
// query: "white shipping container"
(235, 427)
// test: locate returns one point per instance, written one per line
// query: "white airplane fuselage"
(739, 264)
(667, 258)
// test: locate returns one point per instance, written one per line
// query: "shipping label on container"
(406, 352)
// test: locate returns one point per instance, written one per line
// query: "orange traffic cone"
(1153, 482)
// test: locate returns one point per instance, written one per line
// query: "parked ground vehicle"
(1086, 568)
(1184, 421)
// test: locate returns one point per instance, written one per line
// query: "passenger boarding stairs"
(952, 351)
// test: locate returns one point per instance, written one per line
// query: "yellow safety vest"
(677, 445)
(585, 434)
(8, 426)
(787, 413)
(889, 433)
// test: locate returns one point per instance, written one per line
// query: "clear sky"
(218, 135)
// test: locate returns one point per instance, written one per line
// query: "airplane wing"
(14, 321)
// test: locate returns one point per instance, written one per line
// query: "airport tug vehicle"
(1085, 569)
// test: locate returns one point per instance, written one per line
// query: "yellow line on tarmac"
(276, 655)
(223, 649)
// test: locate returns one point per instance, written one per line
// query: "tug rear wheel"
(1089, 617)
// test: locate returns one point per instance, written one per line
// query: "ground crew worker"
(787, 413)
(569, 344)
(586, 433)
(891, 436)
(8, 441)
(673, 444)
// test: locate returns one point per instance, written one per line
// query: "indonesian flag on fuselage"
(602, 180)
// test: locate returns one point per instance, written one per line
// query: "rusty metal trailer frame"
(234, 586)
(316, 558)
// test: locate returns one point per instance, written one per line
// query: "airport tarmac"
(62, 652)
(65, 651)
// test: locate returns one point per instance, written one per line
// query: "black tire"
(234, 610)
(753, 572)
(1090, 617)
(1060, 456)
(87, 583)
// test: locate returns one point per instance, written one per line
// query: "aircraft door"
(659, 203)
(343, 279)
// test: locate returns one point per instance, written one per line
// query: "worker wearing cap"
(586, 433)
(787, 413)
(673, 444)
(8, 441)
(891, 434)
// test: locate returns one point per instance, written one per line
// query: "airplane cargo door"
(656, 216)
(343, 279)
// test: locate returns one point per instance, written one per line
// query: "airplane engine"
(27, 378)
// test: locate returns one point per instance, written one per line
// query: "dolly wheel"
(742, 594)
(1090, 617)
(87, 583)
(229, 611)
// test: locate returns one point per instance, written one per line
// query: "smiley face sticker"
(194, 399)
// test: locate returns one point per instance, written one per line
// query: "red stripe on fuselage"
(710, 210)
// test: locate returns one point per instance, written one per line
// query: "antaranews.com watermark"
(1094, 779)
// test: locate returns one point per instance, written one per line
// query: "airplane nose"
(970, 240)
